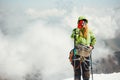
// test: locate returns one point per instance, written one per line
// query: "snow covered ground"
(112, 76)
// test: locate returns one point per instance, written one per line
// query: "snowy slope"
(113, 76)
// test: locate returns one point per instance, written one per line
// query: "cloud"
(45, 47)
(45, 13)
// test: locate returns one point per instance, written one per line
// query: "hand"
(91, 47)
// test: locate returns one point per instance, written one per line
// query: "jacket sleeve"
(73, 34)
(93, 39)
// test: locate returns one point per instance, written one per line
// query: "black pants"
(81, 68)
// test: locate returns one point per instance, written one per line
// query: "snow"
(112, 76)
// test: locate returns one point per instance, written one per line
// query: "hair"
(85, 32)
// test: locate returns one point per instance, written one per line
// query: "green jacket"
(89, 41)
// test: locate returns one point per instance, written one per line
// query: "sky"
(35, 35)
(45, 4)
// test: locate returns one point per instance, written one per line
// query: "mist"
(35, 42)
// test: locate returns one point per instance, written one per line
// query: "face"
(82, 23)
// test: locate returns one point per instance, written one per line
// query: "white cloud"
(46, 47)
(45, 13)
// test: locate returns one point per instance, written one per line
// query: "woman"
(82, 36)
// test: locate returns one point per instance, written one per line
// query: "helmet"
(82, 18)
